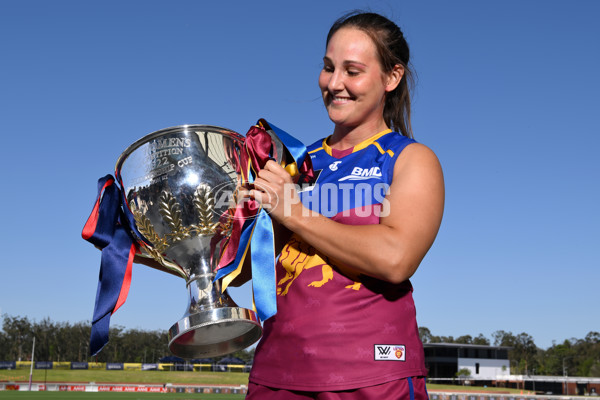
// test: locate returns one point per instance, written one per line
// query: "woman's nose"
(336, 81)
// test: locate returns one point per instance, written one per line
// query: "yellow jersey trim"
(359, 146)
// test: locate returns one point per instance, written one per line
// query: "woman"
(346, 325)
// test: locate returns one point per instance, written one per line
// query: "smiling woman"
(346, 322)
(354, 86)
(379, 59)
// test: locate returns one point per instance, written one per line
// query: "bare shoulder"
(418, 157)
(417, 192)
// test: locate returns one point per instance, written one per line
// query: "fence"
(501, 396)
(146, 388)
(123, 366)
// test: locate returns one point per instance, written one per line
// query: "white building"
(489, 365)
(485, 363)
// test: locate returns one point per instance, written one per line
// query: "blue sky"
(507, 96)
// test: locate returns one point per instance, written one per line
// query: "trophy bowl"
(179, 185)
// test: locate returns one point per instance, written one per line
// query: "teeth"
(341, 99)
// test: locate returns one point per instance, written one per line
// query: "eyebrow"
(346, 62)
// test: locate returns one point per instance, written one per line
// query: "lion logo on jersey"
(297, 257)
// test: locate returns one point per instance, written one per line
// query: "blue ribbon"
(263, 266)
(241, 250)
(116, 243)
(257, 233)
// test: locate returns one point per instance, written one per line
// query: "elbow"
(398, 277)
(398, 269)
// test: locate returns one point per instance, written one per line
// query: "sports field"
(103, 376)
(155, 377)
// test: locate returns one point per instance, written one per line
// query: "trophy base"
(214, 332)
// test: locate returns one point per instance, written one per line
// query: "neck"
(346, 137)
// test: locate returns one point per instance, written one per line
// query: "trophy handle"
(278, 149)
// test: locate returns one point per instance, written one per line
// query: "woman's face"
(352, 82)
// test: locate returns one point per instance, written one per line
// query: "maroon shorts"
(409, 389)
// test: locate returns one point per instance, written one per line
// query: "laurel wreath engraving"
(204, 205)
(171, 212)
(168, 207)
(145, 227)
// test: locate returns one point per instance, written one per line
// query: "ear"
(394, 77)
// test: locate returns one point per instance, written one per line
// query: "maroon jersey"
(336, 329)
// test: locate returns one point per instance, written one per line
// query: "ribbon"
(256, 233)
(263, 266)
(105, 230)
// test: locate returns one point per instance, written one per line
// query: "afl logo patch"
(390, 352)
(334, 165)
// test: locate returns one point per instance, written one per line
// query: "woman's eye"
(352, 72)
(327, 68)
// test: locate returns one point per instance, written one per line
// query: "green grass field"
(57, 375)
(103, 376)
(157, 377)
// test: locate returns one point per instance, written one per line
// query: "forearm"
(375, 250)
(391, 249)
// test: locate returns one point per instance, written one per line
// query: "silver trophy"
(180, 186)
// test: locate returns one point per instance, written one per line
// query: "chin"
(341, 121)
(337, 118)
(337, 121)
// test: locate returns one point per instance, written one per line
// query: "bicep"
(415, 201)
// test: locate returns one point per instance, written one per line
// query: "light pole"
(32, 361)
(565, 375)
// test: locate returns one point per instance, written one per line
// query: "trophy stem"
(213, 324)
(205, 293)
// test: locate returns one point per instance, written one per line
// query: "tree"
(481, 340)
(442, 339)
(246, 355)
(4, 344)
(63, 341)
(45, 332)
(595, 369)
(465, 339)
(425, 334)
(588, 355)
(523, 350)
(557, 359)
(503, 338)
(427, 337)
(463, 374)
(18, 334)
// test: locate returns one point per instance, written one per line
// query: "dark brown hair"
(392, 50)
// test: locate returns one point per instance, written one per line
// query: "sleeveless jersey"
(336, 329)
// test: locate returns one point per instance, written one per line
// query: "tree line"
(63, 341)
(572, 357)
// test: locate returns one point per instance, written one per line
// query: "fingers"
(260, 194)
(275, 168)
(270, 184)
(272, 178)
